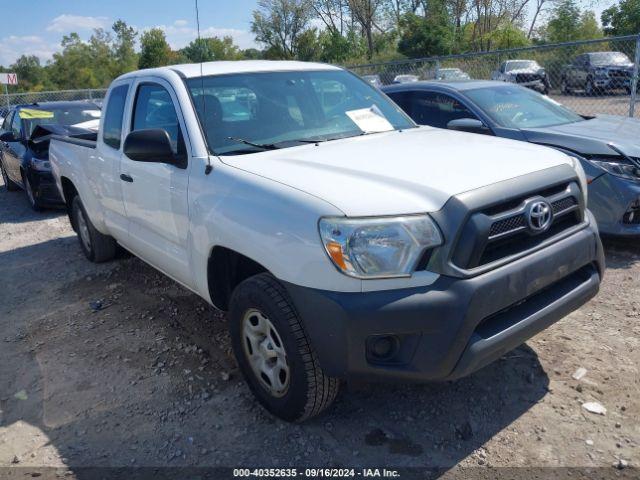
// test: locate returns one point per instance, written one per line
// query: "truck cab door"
(155, 193)
(103, 169)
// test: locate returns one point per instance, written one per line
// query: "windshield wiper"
(264, 146)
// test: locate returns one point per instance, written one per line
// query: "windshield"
(519, 107)
(521, 65)
(609, 58)
(57, 116)
(240, 112)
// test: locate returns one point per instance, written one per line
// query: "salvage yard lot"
(116, 365)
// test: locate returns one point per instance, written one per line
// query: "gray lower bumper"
(454, 326)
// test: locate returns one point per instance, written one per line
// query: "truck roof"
(191, 70)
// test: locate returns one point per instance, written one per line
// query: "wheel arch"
(69, 192)
(226, 269)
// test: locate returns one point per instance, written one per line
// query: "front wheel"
(96, 246)
(274, 352)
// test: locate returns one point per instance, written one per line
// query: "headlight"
(619, 169)
(41, 165)
(378, 247)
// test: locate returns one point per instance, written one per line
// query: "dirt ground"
(115, 365)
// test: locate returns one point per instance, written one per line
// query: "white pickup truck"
(344, 241)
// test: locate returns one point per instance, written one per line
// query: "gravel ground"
(148, 379)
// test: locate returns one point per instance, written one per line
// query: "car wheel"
(274, 353)
(96, 246)
(10, 186)
(589, 88)
(564, 87)
(31, 196)
(628, 90)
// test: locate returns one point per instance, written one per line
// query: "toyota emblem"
(539, 216)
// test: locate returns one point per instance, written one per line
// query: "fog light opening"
(383, 347)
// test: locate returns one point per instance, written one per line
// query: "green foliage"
(154, 49)
(32, 76)
(568, 23)
(279, 24)
(425, 36)
(622, 19)
(125, 56)
(210, 49)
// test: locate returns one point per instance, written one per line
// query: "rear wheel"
(9, 185)
(96, 246)
(274, 352)
(590, 88)
(564, 87)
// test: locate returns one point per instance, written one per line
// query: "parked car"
(451, 74)
(527, 73)
(606, 145)
(373, 80)
(598, 72)
(405, 78)
(22, 163)
(335, 256)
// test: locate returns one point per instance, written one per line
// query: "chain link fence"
(95, 95)
(591, 77)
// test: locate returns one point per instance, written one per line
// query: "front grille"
(560, 206)
(527, 77)
(503, 230)
(507, 225)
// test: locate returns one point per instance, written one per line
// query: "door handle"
(126, 178)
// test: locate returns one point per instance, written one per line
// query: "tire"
(8, 183)
(564, 87)
(589, 88)
(95, 246)
(31, 196)
(300, 389)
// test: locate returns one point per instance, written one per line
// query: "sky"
(35, 27)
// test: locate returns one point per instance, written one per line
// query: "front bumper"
(610, 198)
(45, 188)
(604, 83)
(454, 326)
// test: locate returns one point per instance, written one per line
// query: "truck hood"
(592, 136)
(390, 173)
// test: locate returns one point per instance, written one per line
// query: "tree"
(568, 23)
(428, 35)
(210, 49)
(32, 75)
(622, 19)
(155, 51)
(73, 67)
(124, 53)
(366, 13)
(278, 24)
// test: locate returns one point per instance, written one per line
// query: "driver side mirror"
(7, 137)
(470, 125)
(151, 145)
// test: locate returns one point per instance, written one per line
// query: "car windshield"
(609, 58)
(57, 116)
(521, 65)
(518, 107)
(244, 113)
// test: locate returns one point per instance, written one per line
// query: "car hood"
(525, 70)
(389, 173)
(592, 136)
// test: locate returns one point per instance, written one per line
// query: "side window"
(113, 118)
(436, 109)
(154, 109)
(16, 125)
